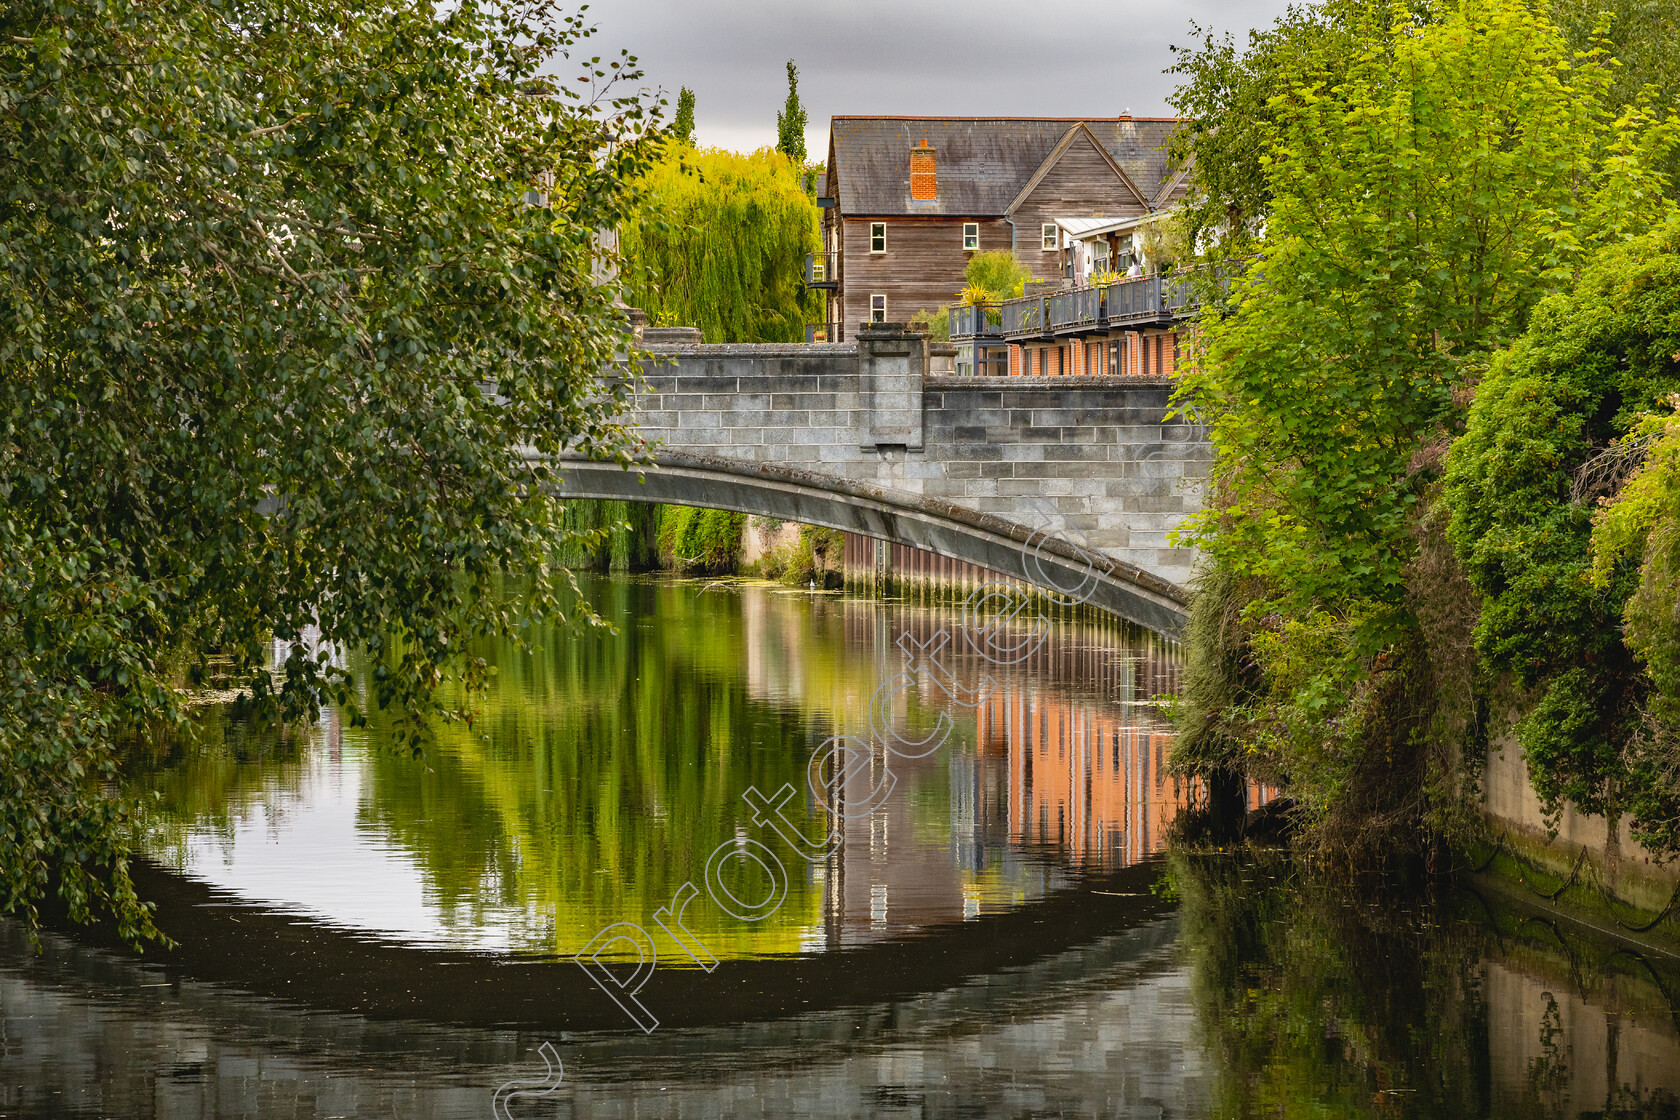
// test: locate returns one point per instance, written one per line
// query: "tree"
(790, 122)
(1226, 99)
(1421, 204)
(719, 242)
(996, 274)
(286, 339)
(1227, 96)
(683, 126)
(1644, 38)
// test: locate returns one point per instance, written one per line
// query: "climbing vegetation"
(700, 540)
(1565, 495)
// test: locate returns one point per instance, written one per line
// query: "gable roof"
(1081, 130)
(984, 162)
(1172, 183)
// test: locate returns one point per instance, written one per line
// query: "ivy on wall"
(1576, 570)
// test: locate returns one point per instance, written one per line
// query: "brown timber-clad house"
(910, 199)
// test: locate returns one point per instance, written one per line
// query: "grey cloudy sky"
(909, 57)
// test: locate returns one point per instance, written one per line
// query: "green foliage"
(936, 323)
(1231, 121)
(610, 536)
(682, 127)
(815, 557)
(1597, 366)
(1227, 94)
(702, 540)
(998, 273)
(1429, 182)
(790, 122)
(1419, 210)
(256, 264)
(719, 242)
(1220, 680)
(1644, 38)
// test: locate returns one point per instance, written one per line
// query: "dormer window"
(924, 173)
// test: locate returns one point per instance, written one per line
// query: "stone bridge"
(1028, 477)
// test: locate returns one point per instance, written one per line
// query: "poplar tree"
(790, 122)
(683, 126)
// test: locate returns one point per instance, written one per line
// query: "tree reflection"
(1322, 998)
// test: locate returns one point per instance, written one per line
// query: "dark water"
(1011, 933)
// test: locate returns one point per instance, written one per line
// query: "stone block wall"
(1087, 453)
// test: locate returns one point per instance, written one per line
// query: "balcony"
(979, 320)
(1140, 301)
(822, 270)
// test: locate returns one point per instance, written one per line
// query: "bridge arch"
(1027, 552)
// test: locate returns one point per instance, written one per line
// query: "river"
(1012, 930)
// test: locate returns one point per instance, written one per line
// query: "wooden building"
(910, 199)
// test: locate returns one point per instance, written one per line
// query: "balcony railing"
(1081, 307)
(1178, 295)
(1135, 301)
(825, 332)
(976, 321)
(1023, 316)
(822, 270)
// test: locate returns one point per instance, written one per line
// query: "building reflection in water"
(1060, 771)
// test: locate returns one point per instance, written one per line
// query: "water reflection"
(365, 934)
(1367, 1000)
(599, 773)
(1268, 995)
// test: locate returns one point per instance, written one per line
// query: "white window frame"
(880, 236)
(971, 237)
(877, 314)
(1049, 237)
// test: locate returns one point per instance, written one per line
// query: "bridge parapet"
(1093, 454)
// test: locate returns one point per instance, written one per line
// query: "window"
(924, 173)
(1026, 362)
(877, 237)
(971, 236)
(877, 309)
(1061, 361)
(1051, 241)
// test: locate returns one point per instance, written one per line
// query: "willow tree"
(719, 242)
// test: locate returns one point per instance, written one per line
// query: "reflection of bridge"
(867, 437)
